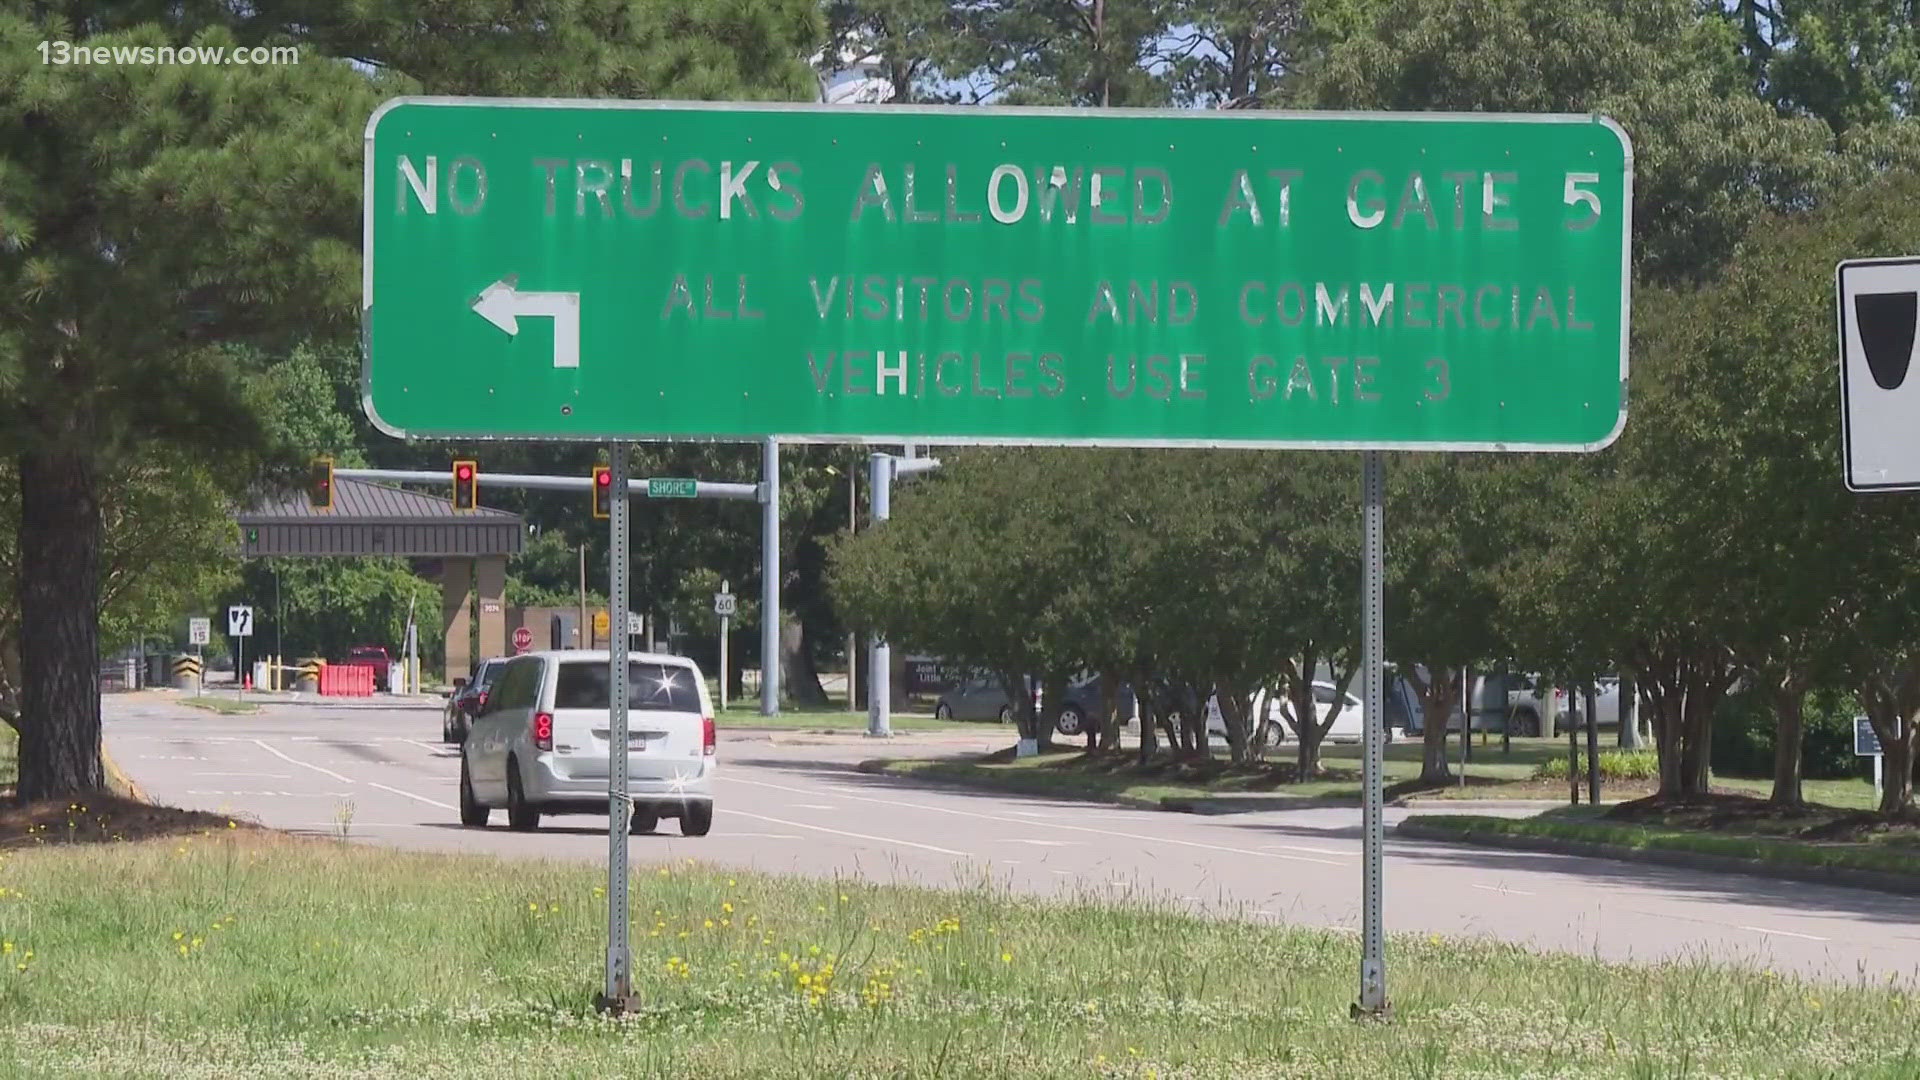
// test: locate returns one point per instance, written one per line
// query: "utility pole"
(582, 632)
(1593, 748)
(853, 639)
(879, 660)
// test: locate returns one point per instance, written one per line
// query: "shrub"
(1614, 765)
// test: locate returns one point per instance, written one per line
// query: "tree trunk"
(798, 677)
(1436, 707)
(1109, 712)
(1306, 725)
(59, 589)
(1149, 721)
(1896, 794)
(1789, 731)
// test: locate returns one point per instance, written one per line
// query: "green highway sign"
(601, 270)
(672, 488)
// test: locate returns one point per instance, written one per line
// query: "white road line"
(1143, 838)
(292, 761)
(251, 775)
(1782, 933)
(853, 835)
(439, 749)
(761, 835)
(411, 795)
(1504, 889)
(1043, 843)
(1063, 873)
(1268, 914)
(1308, 850)
(811, 806)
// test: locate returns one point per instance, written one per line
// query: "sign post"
(723, 606)
(239, 628)
(1866, 743)
(619, 996)
(199, 633)
(1332, 281)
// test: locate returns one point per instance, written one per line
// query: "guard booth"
(466, 549)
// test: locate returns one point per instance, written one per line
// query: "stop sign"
(522, 639)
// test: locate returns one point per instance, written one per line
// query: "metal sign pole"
(770, 578)
(724, 588)
(619, 990)
(1373, 960)
(879, 653)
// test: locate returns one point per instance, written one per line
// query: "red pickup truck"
(377, 657)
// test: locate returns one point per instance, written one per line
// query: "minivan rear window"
(667, 687)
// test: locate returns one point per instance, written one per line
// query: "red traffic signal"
(320, 484)
(602, 491)
(466, 485)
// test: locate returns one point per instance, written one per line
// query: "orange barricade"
(347, 680)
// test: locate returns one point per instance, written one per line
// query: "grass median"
(221, 705)
(1118, 776)
(219, 954)
(1729, 825)
(837, 720)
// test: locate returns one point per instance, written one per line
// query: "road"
(788, 803)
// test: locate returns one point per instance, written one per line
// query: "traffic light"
(466, 485)
(320, 484)
(602, 491)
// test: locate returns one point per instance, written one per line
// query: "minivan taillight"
(543, 731)
(706, 735)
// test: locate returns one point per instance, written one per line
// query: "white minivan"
(540, 744)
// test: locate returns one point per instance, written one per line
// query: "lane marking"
(1504, 889)
(1043, 843)
(274, 794)
(411, 795)
(1268, 914)
(810, 806)
(1308, 850)
(293, 761)
(853, 835)
(759, 835)
(1143, 838)
(1782, 933)
(1063, 873)
(438, 749)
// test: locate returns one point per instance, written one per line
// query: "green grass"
(791, 719)
(1491, 774)
(222, 705)
(1115, 777)
(228, 955)
(1765, 840)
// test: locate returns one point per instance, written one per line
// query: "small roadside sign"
(635, 627)
(724, 604)
(600, 623)
(1866, 743)
(522, 640)
(199, 630)
(240, 621)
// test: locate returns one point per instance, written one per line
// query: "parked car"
(1349, 727)
(377, 657)
(540, 745)
(467, 699)
(977, 697)
(1081, 705)
(1573, 708)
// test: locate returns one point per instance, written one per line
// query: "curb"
(1875, 880)
(116, 778)
(1417, 803)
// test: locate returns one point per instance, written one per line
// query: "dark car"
(1079, 709)
(468, 699)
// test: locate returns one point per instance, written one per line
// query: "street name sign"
(1878, 309)
(240, 621)
(606, 270)
(199, 630)
(672, 488)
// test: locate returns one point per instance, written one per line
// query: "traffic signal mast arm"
(637, 486)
